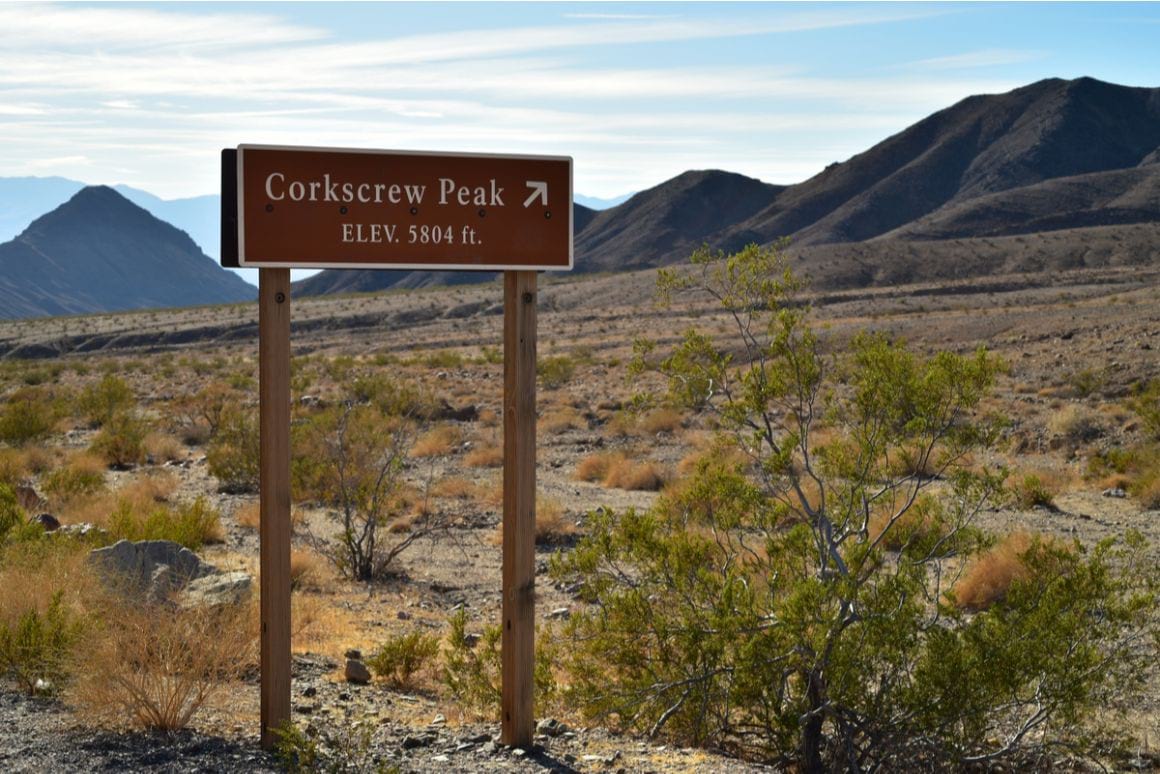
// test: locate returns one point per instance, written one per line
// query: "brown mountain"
(1053, 156)
(100, 252)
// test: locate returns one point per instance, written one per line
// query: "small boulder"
(356, 672)
(48, 521)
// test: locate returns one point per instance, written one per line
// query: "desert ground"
(1075, 343)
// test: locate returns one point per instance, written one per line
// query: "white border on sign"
(399, 266)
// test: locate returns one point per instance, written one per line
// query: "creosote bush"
(794, 603)
(402, 657)
(351, 457)
(35, 650)
(101, 401)
(234, 451)
(27, 415)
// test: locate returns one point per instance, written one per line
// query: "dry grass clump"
(561, 420)
(661, 420)
(552, 524)
(593, 468)
(625, 473)
(438, 441)
(13, 466)
(490, 456)
(1076, 423)
(162, 447)
(308, 570)
(455, 488)
(616, 470)
(249, 515)
(319, 625)
(141, 493)
(988, 578)
(157, 665)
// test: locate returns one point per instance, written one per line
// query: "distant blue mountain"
(595, 203)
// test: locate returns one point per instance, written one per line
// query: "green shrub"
(26, 416)
(1146, 404)
(191, 524)
(72, 481)
(11, 514)
(755, 608)
(472, 670)
(234, 454)
(400, 658)
(101, 401)
(121, 441)
(555, 371)
(1030, 491)
(36, 650)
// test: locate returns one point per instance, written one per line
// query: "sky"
(147, 94)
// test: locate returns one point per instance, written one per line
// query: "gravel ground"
(347, 723)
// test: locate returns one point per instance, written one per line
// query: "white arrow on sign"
(539, 191)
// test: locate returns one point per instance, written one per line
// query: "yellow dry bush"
(484, 457)
(991, 574)
(156, 666)
(439, 441)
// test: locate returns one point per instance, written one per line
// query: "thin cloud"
(992, 57)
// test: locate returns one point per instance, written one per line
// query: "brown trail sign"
(288, 208)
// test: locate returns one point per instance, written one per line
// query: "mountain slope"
(982, 145)
(101, 252)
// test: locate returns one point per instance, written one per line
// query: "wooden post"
(519, 506)
(274, 478)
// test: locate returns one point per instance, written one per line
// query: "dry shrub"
(156, 666)
(455, 487)
(438, 441)
(13, 466)
(308, 570)
(661, 420)
(624, 473)
(991, 574)
(1076, 424)
(488, 418)
(918, 525)
(484, 457)
(31, 574)
(249, 515)
(38, 459)
(593, 467)
(319, 624)
(161, 447)
(552, 524)
(561, 420)
(1148, 494)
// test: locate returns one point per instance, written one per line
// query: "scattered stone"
(414, 742)
(1114, 492)
(479, 738)
(439, 758)
(354, 653)
(560, 613)
(356, 672)
(551, 727)
(439, 720)
(518, 752)
(309, 691)
(403, 615)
